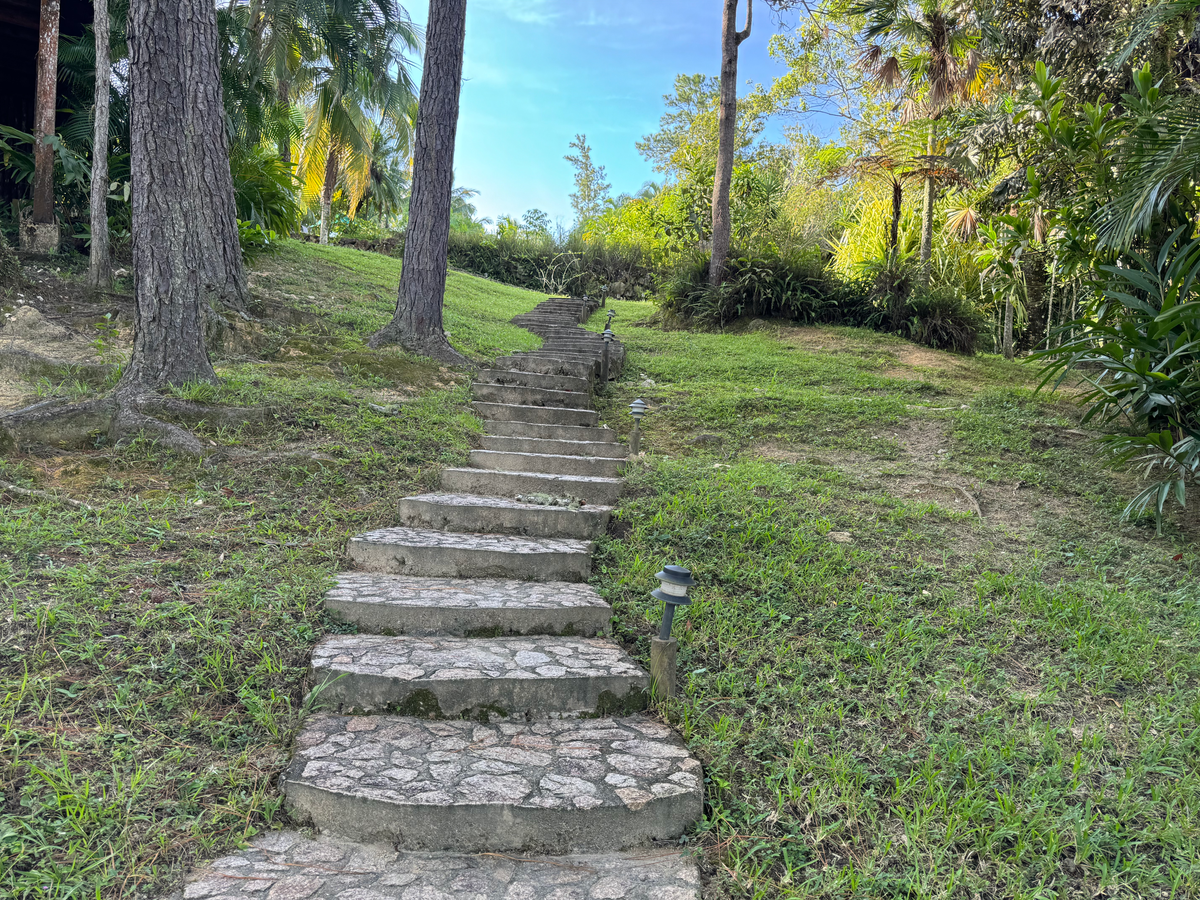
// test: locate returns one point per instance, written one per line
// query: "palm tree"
(347, 103)
(928, 48)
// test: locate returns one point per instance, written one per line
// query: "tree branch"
(742, 35)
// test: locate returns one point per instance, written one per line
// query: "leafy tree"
(930, 47)
(591, 190)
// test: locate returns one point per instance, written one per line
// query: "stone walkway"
(482, 739)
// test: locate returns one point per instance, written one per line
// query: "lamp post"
(637, 409)
(609, 337)
(673, 591)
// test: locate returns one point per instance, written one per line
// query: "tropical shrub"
(264, 189)
(1138, 347)
(792, 286)
(574, 266)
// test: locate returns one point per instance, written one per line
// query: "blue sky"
(537, 72)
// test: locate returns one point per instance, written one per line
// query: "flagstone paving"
(288, 866)
(502, 718)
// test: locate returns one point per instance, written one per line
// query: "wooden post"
(662, 667)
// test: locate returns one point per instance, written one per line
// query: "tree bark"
(186, 255)
(46, 103)
(417, 323)
(897, 208)
(927, 214)
(99, 264)
(331, 174)
(722, 226)
(1008, 329)
(283, 96)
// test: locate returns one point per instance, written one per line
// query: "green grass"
(943, 706)
(153, 655)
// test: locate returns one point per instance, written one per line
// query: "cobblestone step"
(501, 515)
(543, 366)
(534, 379)
(563, 448)
(436, 677)
(438, 554)
(600, 491)
(555, 786)
(530, 396)
(551, 432)
(402, 604)
(286, 865)
(542, 415)
(552, 464)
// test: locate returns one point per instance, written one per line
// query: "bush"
(941, 319)
(1139, 347)
(264, 190)
(796, 287)
(799, 287)
(572, 267)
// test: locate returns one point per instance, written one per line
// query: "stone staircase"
(482, 738)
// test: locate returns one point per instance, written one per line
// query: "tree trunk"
(45, 235)
(331, 174)
(897, 208)
(927, 215)
(1008, 329)
(285, 143)
(417, 324)
(722, 226)
(99, 265)
(186, 255)
(1050, 306)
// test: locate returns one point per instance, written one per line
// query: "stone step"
(562, 448)
(543, 366)
(551, 464)
(568, 356)
(554, 786)
(402, 604)
(600, 491)
(514, 677)
(437, 554)
(541, 415)
(530, 396)
(286, 865)
(534, 380)
(551, 432)
(499, 515)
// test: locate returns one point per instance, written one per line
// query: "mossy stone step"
(562, 448)
(589, 489)
(550, 463)
(418, 551)
(554, 786)
(403, 604)
(543, 415)
(439, 677)
(286, 865)
(502, 515)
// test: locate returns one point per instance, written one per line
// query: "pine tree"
(591, 190)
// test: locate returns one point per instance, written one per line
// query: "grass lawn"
(892, 696)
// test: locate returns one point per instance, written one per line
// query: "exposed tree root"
(24, 364)
(9, 488)
(57, 424)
